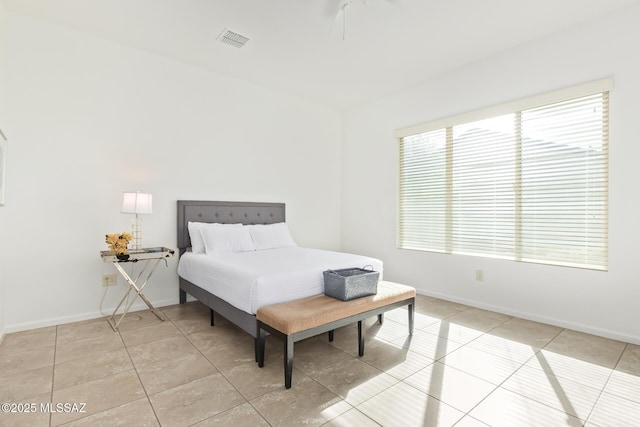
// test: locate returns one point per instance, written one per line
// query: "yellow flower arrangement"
(118, 242)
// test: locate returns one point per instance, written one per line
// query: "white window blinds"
(529, 184)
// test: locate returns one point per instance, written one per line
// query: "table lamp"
(137, 203)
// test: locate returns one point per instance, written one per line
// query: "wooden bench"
(307, 317)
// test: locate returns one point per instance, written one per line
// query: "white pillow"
(195, 234)
(197, 244)
(219, 240)
(271, 236)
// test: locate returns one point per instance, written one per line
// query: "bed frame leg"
(213, 323)
(183, 296)
(288, 361)
(331, 335)
(381, 318)
(360, 339)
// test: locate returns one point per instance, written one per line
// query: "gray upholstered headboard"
(224, 213)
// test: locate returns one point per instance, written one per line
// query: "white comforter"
(250, 280)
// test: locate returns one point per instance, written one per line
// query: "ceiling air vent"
(233, 39)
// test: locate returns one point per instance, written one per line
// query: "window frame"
(546, 99)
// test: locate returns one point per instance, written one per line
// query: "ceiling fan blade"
(341, 15)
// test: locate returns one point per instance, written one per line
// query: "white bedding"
(250, 280)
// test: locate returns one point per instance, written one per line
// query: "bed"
(236, 285)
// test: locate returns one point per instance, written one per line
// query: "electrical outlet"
(479, 276)
(109, 280)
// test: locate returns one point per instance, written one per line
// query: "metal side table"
(145, 256)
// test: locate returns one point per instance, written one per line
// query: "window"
(525, 181)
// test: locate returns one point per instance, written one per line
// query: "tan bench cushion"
(302, 314)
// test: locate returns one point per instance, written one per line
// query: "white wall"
(3, 32)
(596, 302)
(90, 119)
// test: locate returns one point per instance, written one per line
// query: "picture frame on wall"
(3, 167)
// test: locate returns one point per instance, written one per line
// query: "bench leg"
(381, 318)
(410, 311)
(360, 339)
(259, 346)
(212, 317)
(288, 361)
(331, 335)
(183, 296)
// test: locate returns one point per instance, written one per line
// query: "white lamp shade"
(137, 203)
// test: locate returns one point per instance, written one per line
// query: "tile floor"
(462, 366)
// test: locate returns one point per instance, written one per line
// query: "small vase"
(122, 257)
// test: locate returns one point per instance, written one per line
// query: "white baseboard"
(54, 321)
(1, 337)
(588, 329)
(504, 310)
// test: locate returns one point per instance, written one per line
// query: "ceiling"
(297, 46)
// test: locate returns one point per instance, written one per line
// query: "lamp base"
(136, 233)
